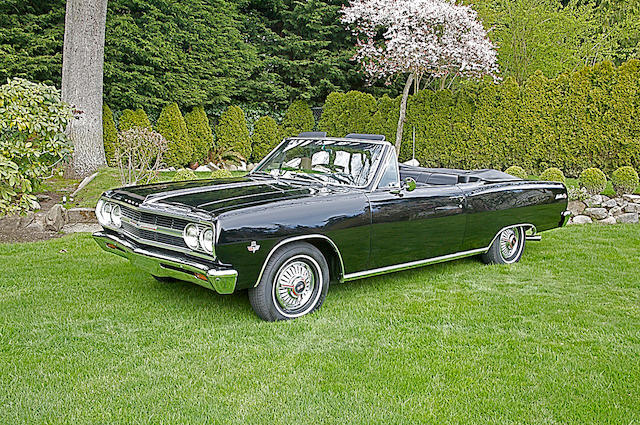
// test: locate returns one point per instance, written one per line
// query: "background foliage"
(232, 132)
(173, 128)
(200, 133)
(265, 137)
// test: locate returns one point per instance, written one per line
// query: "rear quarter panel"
(491, 207)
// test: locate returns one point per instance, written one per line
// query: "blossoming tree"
(419, 37)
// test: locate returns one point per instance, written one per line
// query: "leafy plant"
(220, 156)
(109, 134)
(232, 133)
(200, 133)
(130, 119)
(577, 193)
(593, 180)
(184, 174)
(138, 155)
(297, 119)
(221, 174)
(264, 138)
(32, 140)
(553, 175)
(624, 180)
(172, 126)
(516, 171)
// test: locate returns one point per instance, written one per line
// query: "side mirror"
(409, 184)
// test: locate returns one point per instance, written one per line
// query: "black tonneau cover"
(445, 176)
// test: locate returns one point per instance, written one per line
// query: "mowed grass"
(87, 339)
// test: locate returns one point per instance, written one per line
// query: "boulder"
(242, 166)
(81, 215)
(615, 211)
(251, 166)
(627, 218)
(231, 167)
(594, 201)
(608, 220)
(36, 227)
(632, 208)
(576, 207)
(581, 219)
(26, 220)
(55, 218)
(632, 198)
(597, 213)
(203, 168)
(610, 203)
(621, 202)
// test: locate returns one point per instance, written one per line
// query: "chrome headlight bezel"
(191, 236)
(206, 240)
(116, 215)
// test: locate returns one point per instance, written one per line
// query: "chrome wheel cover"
(295, 284)
(509, 243)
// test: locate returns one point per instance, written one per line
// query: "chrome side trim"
(533, 238)
(412, 264)
(299, 238)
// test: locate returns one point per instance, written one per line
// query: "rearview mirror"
(409, 184)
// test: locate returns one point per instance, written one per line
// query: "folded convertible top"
(427, 175)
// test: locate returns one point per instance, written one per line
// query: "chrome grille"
(153, 219)
(153, 236)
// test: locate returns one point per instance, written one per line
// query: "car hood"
(216, 196)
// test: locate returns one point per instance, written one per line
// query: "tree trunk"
(403, 112)
(82, 70)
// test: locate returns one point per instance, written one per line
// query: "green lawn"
(87, 339)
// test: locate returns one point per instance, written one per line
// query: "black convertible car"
(318, 210)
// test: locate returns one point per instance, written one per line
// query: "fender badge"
(253, 247)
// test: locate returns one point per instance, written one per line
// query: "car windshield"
(351, 163)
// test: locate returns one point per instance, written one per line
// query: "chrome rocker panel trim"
(162, 265)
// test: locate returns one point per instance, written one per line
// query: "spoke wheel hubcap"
(294, 285)
(509, 243)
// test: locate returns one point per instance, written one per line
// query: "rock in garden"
(42, 197)
(632, 198)
(632, 208)
(608, 220)
(610, 203)
(594, 202)
(597, 213)
(26, 220)
(251, 166)
(576, 207)
(242, 166)
(203, 168)
(627, 218)
(621, 202)
(615, 211)
(81, 215)
(581, 219)
(35, 227)
(55, 218)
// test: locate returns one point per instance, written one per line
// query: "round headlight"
(106, 213)
(99, 216)
(190, 236)
(116, 215)
(206, 240)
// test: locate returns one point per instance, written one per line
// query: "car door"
(414, 225)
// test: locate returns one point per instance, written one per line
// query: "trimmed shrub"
(184, 174)
(593, 180)
(33, 119)
(200, 133)
(130, 119)
(109, 135)
(232, 133)
(264, 138)
(172, 126)
(385, 119)
(625, 180)
(516, 171)
(221, 174)
(297, 119)
(352, 112)
(138, 155)
(553, 175)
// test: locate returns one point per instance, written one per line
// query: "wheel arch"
(323, 243)
(525, 226)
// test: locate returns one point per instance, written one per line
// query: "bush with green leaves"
(200, 133)
(297, 119)
(232, 132)
(32, 140)
(351, 112)
(625, 180)
(172, 126)
(109, 135)
(138, 155)
(265, 137)
(553, 175)
(184, 174)
(593, 180)
(221, 174)
(516, 171)
(131, 118)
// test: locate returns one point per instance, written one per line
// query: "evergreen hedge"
(200, 133)
(109, 135)
(130, 119)
(232, 132)
(172, 126)
(297, 119)
(571, 122)
(265, 137)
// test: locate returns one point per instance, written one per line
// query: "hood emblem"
(253, 247)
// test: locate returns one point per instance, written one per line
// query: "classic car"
(318, 210)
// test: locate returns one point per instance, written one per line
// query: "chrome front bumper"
(161, 264)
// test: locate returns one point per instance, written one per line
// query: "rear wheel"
(507, 247)
(294, 283)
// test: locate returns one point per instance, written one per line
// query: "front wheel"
(294, 283)
(507, 247)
